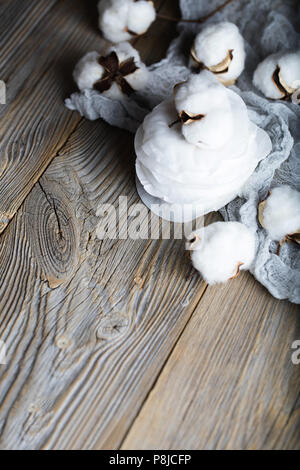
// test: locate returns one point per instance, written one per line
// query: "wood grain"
(230, 382)
(92, 347)
(94, 327)
(54, 230)
(35, 124)
(82, 344)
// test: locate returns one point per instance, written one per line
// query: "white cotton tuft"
(281, 212)
(205, 96)
(220, 48)
(88, 70)
(287, 66)
(220, 250)
(121, 20)
(262, 77)
(141, 16)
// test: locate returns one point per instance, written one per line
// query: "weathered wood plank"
(90, 324)
(18, 19)
(92, 346)
(154, 44)
(230, 382)
(82, 356)
(35, 122)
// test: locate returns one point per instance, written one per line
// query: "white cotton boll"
(121, 20)
(113, 16)
(213, 131)
(220, 47)
(220, 250)
(286, 67)
(200, 90)
(88, 71)
(289, 65)
(139, 79)
(263, 80)
(141, 15)
(280, 213)
(203, 95)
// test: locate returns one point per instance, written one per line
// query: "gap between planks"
(79, 120)
(60, 149)
(197, 303)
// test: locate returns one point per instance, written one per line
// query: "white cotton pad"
(220, 250)
(176, 171)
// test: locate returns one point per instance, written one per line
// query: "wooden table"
(115, 343)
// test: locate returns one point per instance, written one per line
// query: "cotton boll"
(88, 71)
(206, 101)
(140, 16)
(263, 80)
(201, 89)
(280, 213)
(213, 131)
(121, 20)
(289, 65)
(139, 79)
(220, 48)
(113, 20)
(220, 250)
(278, 76)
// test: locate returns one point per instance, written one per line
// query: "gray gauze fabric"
(268, 26)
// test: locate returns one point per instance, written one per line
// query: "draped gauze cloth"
(267, 26)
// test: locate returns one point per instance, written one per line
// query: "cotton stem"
(199, 20)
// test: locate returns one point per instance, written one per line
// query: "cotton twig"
(199, 20)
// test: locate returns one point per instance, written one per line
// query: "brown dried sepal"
(222, 67)
(294, 237)
(261, 208)
(193, 241)
(290, 238)
(115, 72)
(226, 82)
(177, 85)
(195, 58)
(284, 89)
(238, 270)
(132, 33)
(186, 118)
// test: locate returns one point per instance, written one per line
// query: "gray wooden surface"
(115, 343)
